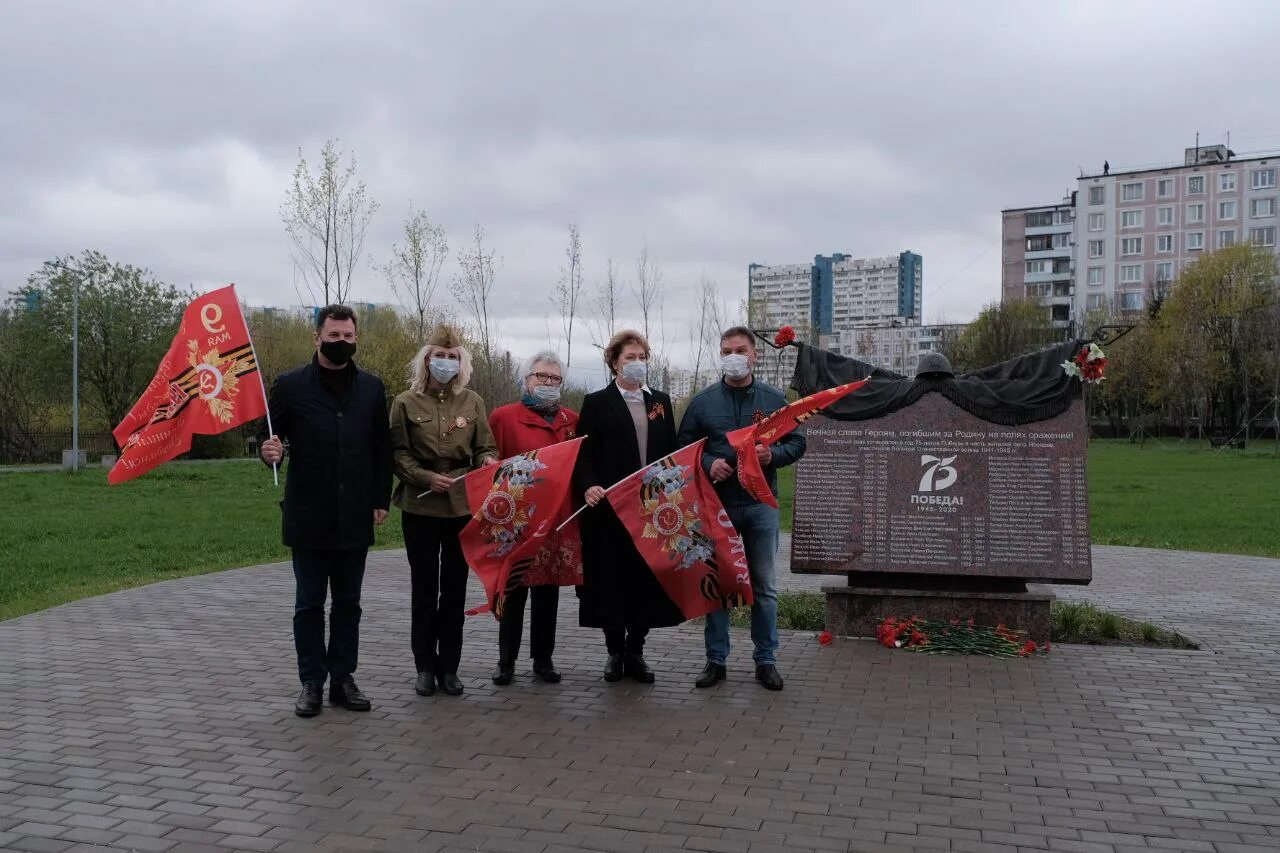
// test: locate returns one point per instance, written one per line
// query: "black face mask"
(338, 352)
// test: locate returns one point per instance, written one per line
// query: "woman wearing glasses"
(537, 421)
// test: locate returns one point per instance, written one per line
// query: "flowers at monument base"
(826, 638)
(954, 637)
(784, 336)
(1088, 365)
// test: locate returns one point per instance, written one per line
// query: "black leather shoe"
(614, 669)
(638, 669)
(768, 675)
(347, 695)
(711, 674)
(425, 685)
(449, 684)
(503, 673)
(310, 700)
(546, 670)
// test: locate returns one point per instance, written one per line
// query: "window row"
(1259, 208)
(1259, 179)
(1193, 241)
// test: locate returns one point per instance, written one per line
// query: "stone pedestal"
(76, 459)
(856, 611)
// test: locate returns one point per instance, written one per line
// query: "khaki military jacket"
(440, 432)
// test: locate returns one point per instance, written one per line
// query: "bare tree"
(568, 292)
(647, 288)
(605, 304)
(414, 268)
(705, 328)
(326, 215)
(473, 288)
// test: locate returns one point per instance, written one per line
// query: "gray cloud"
(718, 133)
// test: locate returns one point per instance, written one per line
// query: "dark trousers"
(439, 573)
(542, 623)
(341, 573)
(625, 641)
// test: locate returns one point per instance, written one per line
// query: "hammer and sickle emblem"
(210, 381)
(210, 316)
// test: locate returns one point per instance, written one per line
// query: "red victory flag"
(770, 429)
(683, 532)
(207, 383)
(511, 539)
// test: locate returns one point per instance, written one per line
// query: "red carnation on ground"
(826, 638)
(785, 336)
(1029, 647)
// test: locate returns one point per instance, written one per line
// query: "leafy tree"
(1213, 351)
(127, 320)
(1002, 331)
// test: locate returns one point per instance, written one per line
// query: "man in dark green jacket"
(334, 416)
(739, 400)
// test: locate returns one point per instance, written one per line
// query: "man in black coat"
(338, 486)
(627, 425)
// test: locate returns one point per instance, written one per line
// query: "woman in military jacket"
(439, 433)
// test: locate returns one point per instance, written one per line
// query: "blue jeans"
(316, 573)
(757, 524)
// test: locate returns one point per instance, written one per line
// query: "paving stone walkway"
(160, 719)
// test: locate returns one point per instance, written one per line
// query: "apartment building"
(838, 292)
(1137, 230)
(1037, 247)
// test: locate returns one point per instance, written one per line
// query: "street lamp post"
(76, 277)
(75, 375)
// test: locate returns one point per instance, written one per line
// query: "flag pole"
(262, 385)
(619, 483)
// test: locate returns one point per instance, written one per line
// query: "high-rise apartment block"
(837, 292)
(1036, 258)
(896, 347)
(1134, 231)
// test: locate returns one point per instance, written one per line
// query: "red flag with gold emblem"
(207, 383)
(512, 538)
(682, 531)
(770, 429)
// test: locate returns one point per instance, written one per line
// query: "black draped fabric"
(1022, 390)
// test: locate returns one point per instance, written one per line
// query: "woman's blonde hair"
(419, 373)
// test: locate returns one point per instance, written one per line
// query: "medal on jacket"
(656, 412)
(458, 423)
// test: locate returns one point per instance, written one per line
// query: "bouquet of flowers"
(1088, 365)
(936, 637)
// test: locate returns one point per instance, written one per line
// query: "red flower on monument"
(1027, 648)
(1089, 364)
(784, 336)
(826, 638)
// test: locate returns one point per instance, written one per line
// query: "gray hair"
(545, 356)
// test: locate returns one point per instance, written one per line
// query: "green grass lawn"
(1167, 494)
(65, 536)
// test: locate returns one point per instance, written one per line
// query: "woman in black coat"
(619, 592)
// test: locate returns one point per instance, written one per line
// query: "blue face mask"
(546, 393)
(444, 369)
(635, 371)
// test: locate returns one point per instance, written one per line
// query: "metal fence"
(39, 448)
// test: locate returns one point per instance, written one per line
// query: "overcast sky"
(720, 133)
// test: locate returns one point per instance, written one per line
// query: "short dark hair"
(735, 331)
(336, 312)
